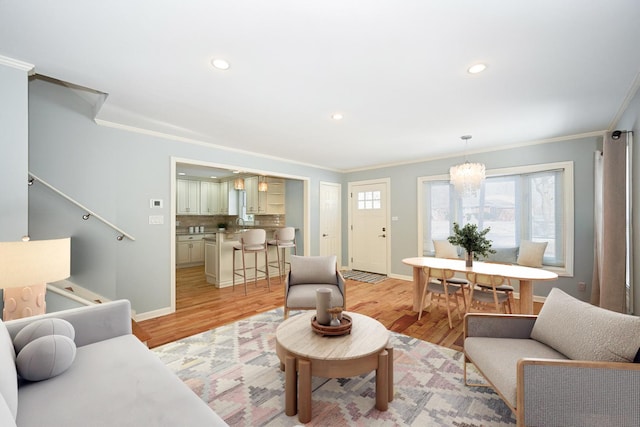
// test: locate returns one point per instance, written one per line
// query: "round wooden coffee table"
(304, 354)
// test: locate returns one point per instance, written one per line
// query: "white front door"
(369, 229)
(330, 223)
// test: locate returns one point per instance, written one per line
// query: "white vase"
(323, 303)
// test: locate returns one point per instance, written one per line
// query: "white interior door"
(369, 226)
(330, 223)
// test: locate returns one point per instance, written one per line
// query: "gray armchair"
(572, 365)
(307, 274)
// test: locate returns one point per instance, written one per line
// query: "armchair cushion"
(531, 253)
(313, 269)
(305, 295)
(507, 255)
(582, 331)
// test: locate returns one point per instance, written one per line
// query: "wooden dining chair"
(485, 290)
(506, 287)
(442, 287)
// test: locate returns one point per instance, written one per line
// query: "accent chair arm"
(498, 325)
(92, 323)
(343, 288)
(577, 393)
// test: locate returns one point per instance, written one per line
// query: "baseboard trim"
(139, 317)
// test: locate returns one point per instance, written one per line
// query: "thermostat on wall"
(156, 203)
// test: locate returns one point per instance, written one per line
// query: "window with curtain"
(525, 203)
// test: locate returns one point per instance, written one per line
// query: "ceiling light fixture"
(337, 116)
(477, 68)
(181, 173)
(220, 64)
(467, 177)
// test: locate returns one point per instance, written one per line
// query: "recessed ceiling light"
(213, 177)
(181, 173)
(220, 64)
(337, 116)
(477, 68)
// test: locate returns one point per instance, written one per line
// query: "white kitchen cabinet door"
(251, 188)
(223, 198)
(275, 196)
(183, 253)
(209, 197)
(188, 197)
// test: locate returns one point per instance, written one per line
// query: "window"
(369, 200)
(524, 203)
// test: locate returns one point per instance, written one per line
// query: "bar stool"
(252, 241)
(285, 238)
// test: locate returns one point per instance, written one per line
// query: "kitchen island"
(218, 258)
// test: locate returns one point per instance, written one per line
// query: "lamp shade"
(238, 184)
(33, 262)
(467, 177)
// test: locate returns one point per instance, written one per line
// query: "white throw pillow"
(444, 249)
(531, 253)
(46, 357)
(8, 375)
(42, 328)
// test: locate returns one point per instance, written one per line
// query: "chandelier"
(467, 177)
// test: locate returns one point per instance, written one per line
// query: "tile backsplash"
(210, 222)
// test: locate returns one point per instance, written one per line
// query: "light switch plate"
(156, 219)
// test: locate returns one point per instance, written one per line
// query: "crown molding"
(20, 65)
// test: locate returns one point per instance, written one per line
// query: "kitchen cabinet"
(188, 197)
(211, 263)
(209, 198)
(275, 197)
(256, 200)
(223, 198)
(189, 250)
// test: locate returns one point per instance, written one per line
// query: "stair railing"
(89, 213)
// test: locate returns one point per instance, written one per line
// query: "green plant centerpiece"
(473, 241)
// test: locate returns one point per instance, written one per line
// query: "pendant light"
(238, 184)
(467, 177)
(262, 184)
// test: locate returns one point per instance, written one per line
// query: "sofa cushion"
(531, 253)
(46, 357)
(313, 269)
(41, 328)
(506, 255)
(8, 376)
(116, 382)
(497, 359)
(6, 417)
(444, 249)
(582, 331)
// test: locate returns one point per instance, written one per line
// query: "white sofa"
(114, 380)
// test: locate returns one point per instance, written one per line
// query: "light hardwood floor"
(201, 306)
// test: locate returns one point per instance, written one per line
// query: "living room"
(65, 130)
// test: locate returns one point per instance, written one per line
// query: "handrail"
(89, 213)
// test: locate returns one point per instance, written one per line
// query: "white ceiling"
(396, 70)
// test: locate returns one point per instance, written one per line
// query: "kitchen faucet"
(240, 221)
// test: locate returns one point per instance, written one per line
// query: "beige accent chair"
(308, 273)
(572, 365)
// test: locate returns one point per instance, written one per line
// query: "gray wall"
(14, 143)
(115, 173)
(630, 120)
(403, 201)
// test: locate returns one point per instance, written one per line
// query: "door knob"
(324, 235)
(382, 235)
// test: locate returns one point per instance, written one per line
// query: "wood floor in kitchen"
(201, 306)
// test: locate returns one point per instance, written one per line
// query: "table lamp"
(25, 269)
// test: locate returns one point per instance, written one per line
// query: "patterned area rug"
(363, 276)
(235, 369)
